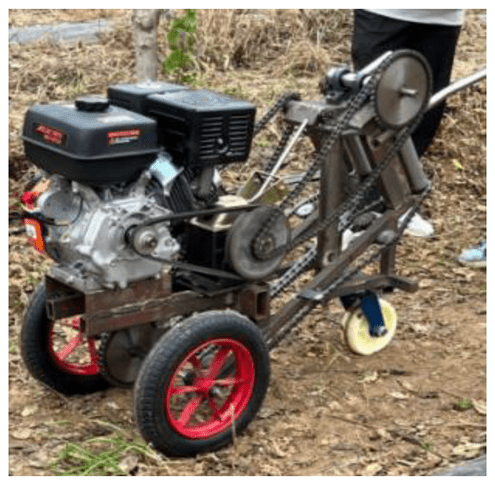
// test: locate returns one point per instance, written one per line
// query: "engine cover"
(89, 237)
(91, 141)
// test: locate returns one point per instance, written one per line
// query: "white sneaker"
(418, 226)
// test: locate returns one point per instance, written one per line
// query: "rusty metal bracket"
(149, 301)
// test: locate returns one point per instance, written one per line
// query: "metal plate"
(403, 90)
(122, 353)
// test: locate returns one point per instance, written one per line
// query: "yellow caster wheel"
(357, 334)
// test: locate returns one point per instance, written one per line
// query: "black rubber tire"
(164, 359)
(35, 352)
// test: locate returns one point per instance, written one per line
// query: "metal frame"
(358, 151)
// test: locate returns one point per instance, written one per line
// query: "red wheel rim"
(71, 350)
(202, 399)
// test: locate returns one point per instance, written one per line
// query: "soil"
(414, 408)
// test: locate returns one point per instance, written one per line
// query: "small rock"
(129, 463)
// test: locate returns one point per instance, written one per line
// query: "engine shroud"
(135, 97)
(90, 142)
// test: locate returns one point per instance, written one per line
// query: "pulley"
(254, 257)
(122, 352)
(403, 89)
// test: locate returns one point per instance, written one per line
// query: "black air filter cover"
(134, 97)
(202, 128)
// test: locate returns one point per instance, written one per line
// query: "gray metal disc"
(403, 89)
(242, 237)
(124, 352)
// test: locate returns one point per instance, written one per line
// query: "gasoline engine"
(121, 167)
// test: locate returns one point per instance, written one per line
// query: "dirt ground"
(414, 408)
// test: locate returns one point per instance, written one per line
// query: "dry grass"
(26, 17)
(277, 40)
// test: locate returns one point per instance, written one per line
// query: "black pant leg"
(437, 43)
(374, 35)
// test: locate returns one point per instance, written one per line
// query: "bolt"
(408, 92)
(150, 241)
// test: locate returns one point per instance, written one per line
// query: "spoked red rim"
(71, 350)
(210, 388)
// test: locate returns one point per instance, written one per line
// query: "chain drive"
(347, 211)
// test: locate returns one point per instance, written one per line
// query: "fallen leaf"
(275, 451)
(29, 410)
(372, 469)
(468, 449)
(407, 385)
(334, 405)
(479, 406)
(398, 395)
(21, 434)
(369, 377)
(425, 283)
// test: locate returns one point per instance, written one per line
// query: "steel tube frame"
(154, 300)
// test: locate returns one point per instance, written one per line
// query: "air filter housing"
(202, 128)
(134, 97)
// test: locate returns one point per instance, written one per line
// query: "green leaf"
(463, 404)
(182, 39)
(173, 38)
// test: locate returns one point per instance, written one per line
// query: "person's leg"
(437, 43)
(373, 35)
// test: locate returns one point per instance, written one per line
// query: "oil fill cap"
(92, 103)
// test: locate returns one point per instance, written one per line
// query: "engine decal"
(123, 136)
(50, 135)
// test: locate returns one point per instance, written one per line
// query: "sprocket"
(251, 256)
